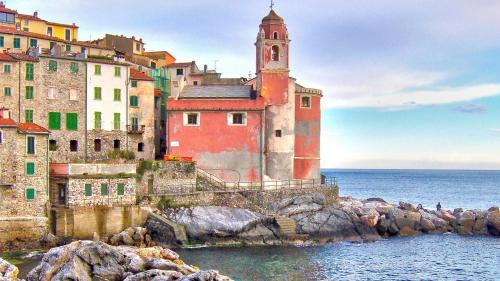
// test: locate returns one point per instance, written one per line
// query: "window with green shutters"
(30, 145)
(68, 48)
(97, 93)
(72, 121)
(7, 91)
(30, 193)
(54, 120)
(52, 65)
(17, 43)
(28, 116)
(104, 189)
(97, 69)
(134, 83)
(117, 95)
(116, 122)
(134, 101)
(74, 67)
(30, 70)
(33, 43)
(88, 190)
(30, 168)
(52, 45)
(118, 71)
(1, 41)
(97, 120)
(120, 189)
(29, 92)
(6, 68)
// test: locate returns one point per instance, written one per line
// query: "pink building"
(267, 128)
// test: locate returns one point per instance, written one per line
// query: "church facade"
(267, 128)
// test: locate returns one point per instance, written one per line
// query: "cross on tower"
(272, 4)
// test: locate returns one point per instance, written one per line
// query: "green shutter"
(7, 91)
(6, 68)
(30, 193)
(54, 120)
(30, 143)
(17, 43)
(33, 43)
(104, 189)
(97, 120)
(120, 189)
(30, 168)
(97, 69)
(68, 48)
(30, 69)
(1, 41)
(88, 190)
(97, 93)
(72, 121)
(29, 92)
(134, 101)
(118, 71)
(28, 116)
(117, 95)
(52, 65)
(134, 83)
(74, 67)
(117, 121)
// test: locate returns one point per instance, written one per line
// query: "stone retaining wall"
(22, 231)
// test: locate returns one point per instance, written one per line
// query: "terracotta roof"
(180, 64)
(7, 122)
(28, 17)
(32, 17)
(32, 128)
(6, 57)
(6, 10)
(157, 92)
(158, 54)
(216, 105)
(273, 16)
(106, 61)
(22, 56)
(216, 91)
(137, 75)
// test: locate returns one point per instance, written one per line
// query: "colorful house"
(34, 24)
(265, 128)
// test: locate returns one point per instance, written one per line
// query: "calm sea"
(429, 257)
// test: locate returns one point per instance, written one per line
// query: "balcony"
(136, 129)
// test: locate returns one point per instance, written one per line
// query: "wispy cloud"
(471, 108)
(495, 130)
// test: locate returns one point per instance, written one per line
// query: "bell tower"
(272, 47)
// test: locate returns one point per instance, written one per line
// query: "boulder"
(8, 271)
(156, 275)
(407, 207)
(493, 222)
(132, 236)
(405, 219)
(480, 225)
(457, 211)
(427, 225)
(300, 204)
(464, 223)
(445, 215)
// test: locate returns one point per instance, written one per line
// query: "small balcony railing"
(135, 129)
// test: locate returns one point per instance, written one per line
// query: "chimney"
(4, 112)
(2, 4)
(35, 14)
(205, 68)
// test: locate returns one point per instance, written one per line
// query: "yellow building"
(34, 24)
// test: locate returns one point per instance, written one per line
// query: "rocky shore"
(308, 219)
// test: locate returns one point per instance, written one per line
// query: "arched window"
(275, 53)
(275, 36)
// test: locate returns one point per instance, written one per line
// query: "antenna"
(272, 4)
(215, 63)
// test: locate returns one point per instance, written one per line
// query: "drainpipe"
(126, 106)
(19, 94)
(86, 113)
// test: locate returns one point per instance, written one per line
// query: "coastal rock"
(408, 220)
(464, 223)
(480, 225)
(132, 236)
(407, 207)
(493, 222)
(445, 215)
(8, 271)
(427, 225)
(88, 260)
(305, 203)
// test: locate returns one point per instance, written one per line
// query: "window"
(97, 120)
(135, 124)
(134, 83)
(52, 93)
(30, 193)
(33, 43)
(49, 30)
(104, 189)
(74, 67)
(1, 41)
(140, 147)
(72, 121)
(54, 120)
(275, 53)
(278, 133)
(1, 137)
(118, 71)
(30, 168)
(116, 144)
(138, 47)
(88, 190)
(7, 68)
(52, 65)
(195, 83)
(153, 65)
(29, 92)
(116, 121)
(73, 94)
(180, 71)
(117, 95)
(97, 145)
(68, 48)
(28, 116)
(191, 119)
(30, 145)
(52, 45)
(305, 102)
(134, 101)
(237, 119)
(120, 189)
(73, 145)
(97, 93)
(275, 36)
(7, 91)
(97, 69)
(6, 17)
(30, 69)
(67, 34)
(52, 145)
(17, 43)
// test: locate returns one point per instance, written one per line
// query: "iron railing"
(136, 129)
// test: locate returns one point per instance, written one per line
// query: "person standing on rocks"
(438, 206)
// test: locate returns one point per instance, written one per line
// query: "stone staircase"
(287, 226)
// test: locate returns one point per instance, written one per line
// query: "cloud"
(471, 108)
(495, 130)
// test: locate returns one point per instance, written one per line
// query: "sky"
(411, 84)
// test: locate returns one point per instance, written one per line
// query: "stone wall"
(165, 176)
(10, 80)
(22, 232)
(145, 113)
(107, 143)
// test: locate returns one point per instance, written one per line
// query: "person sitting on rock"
(419, 207)
(438, 206)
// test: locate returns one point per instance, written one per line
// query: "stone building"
(267, 128)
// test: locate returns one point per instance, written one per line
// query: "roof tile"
(138, 75)
(32, 128)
